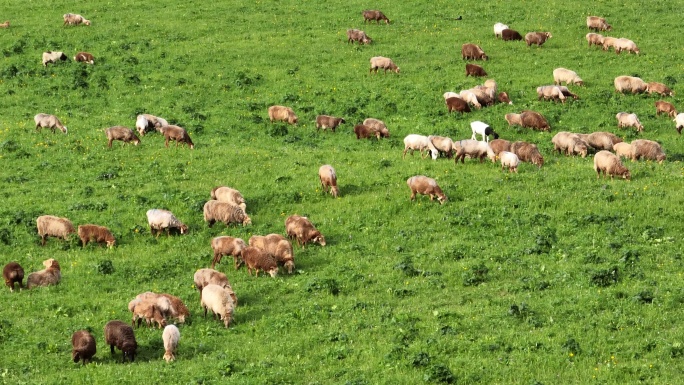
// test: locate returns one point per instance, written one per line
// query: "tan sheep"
(357, 35)
(608, 41)
(49, 121)
(527, 152)
(218, 300)
(278, 247)
(509, 160)
(177, 134)
(569, 144)
(623, 150)
(513, 119)
(328, 177)
(629, 84)
(256, 260)
(598, 23)
(561, 75)
(326, 121)
(51, 275)
(595, 39)
(225, 245)
(171, 336)
(205, 277)
(629, 120)
(121, 133)
(74, 19)
(423, 185)
(537, 38)
(647, 149)
(229, 195)
(665, 107)
(6, 24)
(380, 62)
(98, 234)
(471, 51)
(659, 88)
(282, 113)
(224, 212)
(160, 220)
(600, 140)
(440, 145)
(550, 93)
(52, 226)
(474, 149)
(609, 164)
(301, 229)
(623, 44)
(416, 142)
(146, 309)
(498, 145)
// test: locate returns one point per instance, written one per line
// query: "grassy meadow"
(548, 276)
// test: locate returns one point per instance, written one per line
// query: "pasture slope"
(549, 276)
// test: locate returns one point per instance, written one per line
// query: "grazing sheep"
(53, 57)
(537, 38)
(6, 24)
(527, 152)
(147, 309)
(679, 122)
(328, 177)
(565, 75)
(600, 140)
(569, 144)
(659, 88)
(457, 104)
(331, 122)
(528, 119)
(498, 29)
(665, 107)
(370, 15)
(623, 44)
(609, 164)
(499, 145)
(474, 70)
(124, 134)
(178, 134)
(629, 84)
(165, 306)
(364, 132)
(378, 62)
(425, 186)
(277, 246)
(118, 333)
(416, 142)
(13, 273)
(510, 160)
(301, 229)
(177, 310)
(647, 149)
(358, 36)
(598, 23)
(84, 57)
(217, 299)
(474, 149)
(204, 277)
(83, 346)
(629, 120)
(225, 212)
(377, 126)
(450, 94)
(74, 19)
(51, 226)
(513, 119)
(171, 336)
(623, 150)
(257, 259)
(484, 95)
(51, 275)
(609, 41)
(472, 52)
(146, 122)
(470, 97)
(510, 35)
(99, 234)
(225, 245)
(282, 113)
(550, 93)
(49, 121)
(595, 39)
(160, 220)
(440, 145)
(503, 98)
(478, 127)
(229, 195)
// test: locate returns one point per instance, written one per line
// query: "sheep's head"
(289, 265)
(111, 242)
(319, 238)
(168, 356)
(247, 220)
(183, 229)
(273, 271)
(76, 356)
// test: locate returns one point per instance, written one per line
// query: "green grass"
(548, 276)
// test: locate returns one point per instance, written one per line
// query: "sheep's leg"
(111, 349)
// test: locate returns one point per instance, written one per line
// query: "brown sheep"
(659, 88)
(537, 38)
(13, 273)
(124, 134)
(51, 275)
(609, 164)
(118, 333)
(178, 310)
(99, 234)
(256, 260)
(425, 186)
(227, 246)
(528, 152)
(224, 212)
(377, 126)
(498, 145)
(598, 23)
(178, 134)
(49, 121)
(84, 57)
(665, 107)
(629, 84)
(474, 70)
(513, 119)
(510, 34)
(358, 36)
(378, 62)
(364, 132)
(502, 97)
(647, 149)
(147, 309)
(566, 92)
(52, 226)
(328, 177)
(206, 277)
(331, 122)
(282, 113)
(595, 39)
(83, 346)
(600, 140)
(229, 195)
(457, 104)
(278, 247)
(472, 52)
(528, 119)
(370, 15)
(301, 229)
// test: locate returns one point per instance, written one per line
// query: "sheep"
(510, 160)
(331, 122)
(471, 98)
(226, 245)
(6, 24)
(13, 273)
(160, 220)
(598, 23)
(74, 19)
(425, 186)
(217, 299)
(364, 132)
(178, 134)
(647, 149)
(147, 122)
(282, 113)
(499, 145)
(665, 107)
(527, 152)
(623, 150)
(301, 229)
(118, 333)
(229, 195)
(377, 126)
(608, 41)
(225, 212)
(550, 92)
(595, 39)
(370, 15)
(450, 94)
(84, 57)
(528, 119)
(83, 346)
(51, 275)
(165, 306)
(503, 98)
(600, 140)
(498, 29)
(565, 75)
(474, 70)
(623, 44)
(440, 145)
(679, 122)
(609, 164)
(478, 127)
(484, 95)
(416, 142)
(358, 36)
(147, 309)
(658, 88)
(513, 119)
(122, 133)
(53, 57)
(629, 84)
(257, 259)
(99, 234)
(537, 38)
(457, 104)
(510, 35)
(171, 336)
(569, 144)
(474, 149)
(378, 62)
(49, 121)
(277, 246)
(328, 177)
(472, 52)
(629, 120)
(52, 226)
(204, 277)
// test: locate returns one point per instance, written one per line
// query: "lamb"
(609, 164)
(498, 29)
(565, 75)
(537, 38)
(282, 113)
(301, 229)
(380, 62)
(331, 122)
(84, 346)
(679, 122)
(623, 44)
(647, 149)
(503, 98)
(510, 35)
(6, 24)
(629, 120)
(119, 334)
(277, 246)
(148, 310)
(658, 88)
(256, 260)
(623, 150)
(74, 19)
(474, 70)
(124, 134)
(629, 84)
(425, 186)
(550, 92)
(49, 121)
(227, 246)
(600, 140)
(472, 52)
(358, 36)
(328, 177)
(471, 98)
(510, 160)
(416, 142)
(51, 275)
(171, 336)
(225, 212)
(53, 57)
(84, 57)
(178, 134)
(377, 126)
(474, 149)
(598, 23)
(160, 220)
(217, 299)
(478, 127)
(457, 104)
(595, 39)
(370, 15)
(528, 152)
(99, 234)
(440, 145)
(569, 143)
(51, 226)
(13, 273)
(204, 277)
(499, 145)
(229, 195)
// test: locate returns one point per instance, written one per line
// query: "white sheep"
(74, 19)
(483, 129)
(679, 122)
(510, 160)
(160, 220)
(550, 92)
(498, 28)
(626, 119)
(53, 57)
(171, 336)
(474, 149)
(204, 277)
(567, 76)
(217, 299)
(379, 62)
(471, 98)
(417, 142)
(52, 226)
